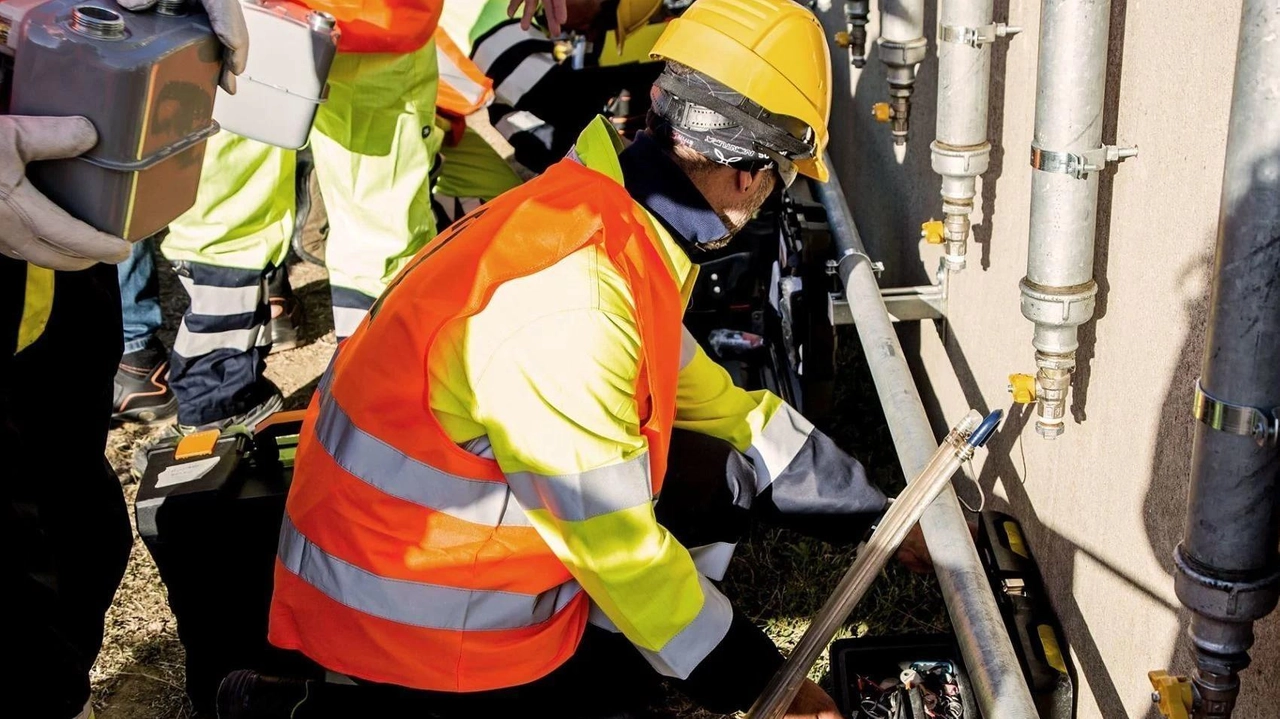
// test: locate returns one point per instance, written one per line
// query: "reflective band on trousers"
(581, 496)
(416, 603)
(377, 463)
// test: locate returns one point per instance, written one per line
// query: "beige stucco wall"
(1103, 505)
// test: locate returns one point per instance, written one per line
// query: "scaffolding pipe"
(902, 47)
(998, 683)
(1058, 293)
(1228, 569)
(961, 151)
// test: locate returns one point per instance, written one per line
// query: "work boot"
(246, 694)
(286, 311)
(249, 420)
(142, 394)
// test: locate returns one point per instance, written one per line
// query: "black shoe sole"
(149, 416)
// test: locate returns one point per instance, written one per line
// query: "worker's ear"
(746, 181)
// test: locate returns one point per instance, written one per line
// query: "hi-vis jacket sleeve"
(557, 403)
(805, 471)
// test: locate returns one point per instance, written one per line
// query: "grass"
(778, 577)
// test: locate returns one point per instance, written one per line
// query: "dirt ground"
(778, 578)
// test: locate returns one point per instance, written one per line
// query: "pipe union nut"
(903, 54)
(1058, 307)
(1225, 600)
(960, 162)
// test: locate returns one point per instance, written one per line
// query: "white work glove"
(227, 20)
(557, 13)
(31, 227)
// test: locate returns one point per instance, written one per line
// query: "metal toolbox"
(145, 80)
(281, 89)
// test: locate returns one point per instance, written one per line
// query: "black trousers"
(65, 526)
(708, 496)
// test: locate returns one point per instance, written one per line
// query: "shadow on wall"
(1164, 505)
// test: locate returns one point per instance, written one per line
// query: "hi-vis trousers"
(374, 143)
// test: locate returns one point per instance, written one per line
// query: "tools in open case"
(905, 677)
(924, 690)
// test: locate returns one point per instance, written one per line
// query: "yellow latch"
(882, 112)
(1023, 388)
(842, 39)
(933, 232)
(200, 444)
(561, 50)
(1172, 695)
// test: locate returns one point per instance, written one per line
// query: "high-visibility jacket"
(543, 379)
(405, 559)
(390, 26)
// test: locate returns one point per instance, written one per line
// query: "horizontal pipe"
(998, 683)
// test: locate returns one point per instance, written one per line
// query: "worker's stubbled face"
(752, 189)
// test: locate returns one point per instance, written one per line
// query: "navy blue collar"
(657, 183)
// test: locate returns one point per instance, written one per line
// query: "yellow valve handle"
(1172, 695)
(561, 50)
(932, 232)
(882, 112)
(1023, 388)
(842, 39)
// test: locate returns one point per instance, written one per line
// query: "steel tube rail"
(1228, 569)
(999, 686)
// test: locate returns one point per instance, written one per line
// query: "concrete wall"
(1103, 505)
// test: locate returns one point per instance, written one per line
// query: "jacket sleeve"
(557, 401)
(801, 469)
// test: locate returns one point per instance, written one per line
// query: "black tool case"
(210, 517)
(884, 658)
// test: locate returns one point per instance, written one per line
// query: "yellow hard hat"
(633, 15)
(773, 52)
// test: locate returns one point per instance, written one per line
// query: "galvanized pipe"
(901, 46)
(999, 686)
(1058, 292)
(1228, 567)
(961, 151)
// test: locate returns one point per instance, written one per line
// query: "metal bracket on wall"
(1079, 165)
(904, 304)
(976, 37)
(1237, 419)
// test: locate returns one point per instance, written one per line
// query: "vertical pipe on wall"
(1228, 569)
(961, 151)
(901, 46)
(1066, 154)
(999, 686)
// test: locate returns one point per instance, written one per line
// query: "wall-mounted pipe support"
(902, 47)
(1227, 566)
(857, 14)
(1067, 154)
(998, 683)
(961, 151)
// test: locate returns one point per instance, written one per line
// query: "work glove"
(31, 227)
(227, 21)
(557, 13)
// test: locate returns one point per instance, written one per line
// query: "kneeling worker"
(475, 526)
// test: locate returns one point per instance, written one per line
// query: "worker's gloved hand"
(31, 227)
(812, 702)
(557, 13)
(227, 20)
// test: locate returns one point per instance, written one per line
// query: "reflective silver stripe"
(712, 560)
(195, 344)
(488, 51)
(781, 439)
(515, 123)
(346, 320)
(688, 347)
(687, 649)
(453, 75)
(219, 301)
(417, 604)
(576, 497)
(524, 77)
(379, 464)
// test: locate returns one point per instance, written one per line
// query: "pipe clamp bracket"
(1253, 422)
(976, 37)
(1078, 165)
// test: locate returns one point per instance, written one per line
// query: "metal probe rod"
(903, 514)
(998, 683)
